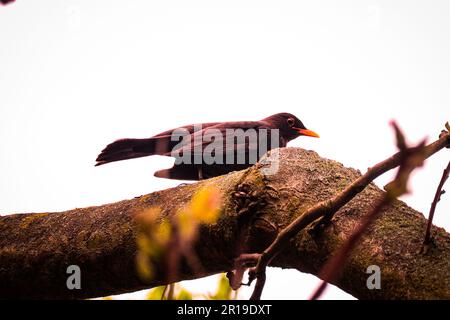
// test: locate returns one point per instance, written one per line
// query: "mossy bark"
(37, 248)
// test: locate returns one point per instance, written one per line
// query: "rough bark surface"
(37, 248)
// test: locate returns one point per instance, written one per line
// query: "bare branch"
(437, 198)
(4, 2)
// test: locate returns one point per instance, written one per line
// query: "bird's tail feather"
(127, 149)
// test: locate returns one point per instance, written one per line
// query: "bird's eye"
(290, 122)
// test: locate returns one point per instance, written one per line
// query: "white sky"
(76, 75)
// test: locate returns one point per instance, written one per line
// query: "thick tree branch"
(37, 248)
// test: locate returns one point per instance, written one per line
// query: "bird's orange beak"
(306, 132)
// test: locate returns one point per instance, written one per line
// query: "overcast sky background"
(76, 75)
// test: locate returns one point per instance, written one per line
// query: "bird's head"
(290, 126)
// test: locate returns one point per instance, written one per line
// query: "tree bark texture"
(37, 248)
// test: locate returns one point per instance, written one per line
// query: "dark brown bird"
(210, 149)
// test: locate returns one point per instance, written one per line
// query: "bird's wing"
(242, 137)
(191, 128)
(172, 138)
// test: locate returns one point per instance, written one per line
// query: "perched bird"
(210, 149)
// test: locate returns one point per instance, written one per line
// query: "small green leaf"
(156, 293)
(223, 289)
(184, 295)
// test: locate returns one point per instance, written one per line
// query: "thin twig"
(171, 292)
(436, 199)
(259, 286)
(4, 2)
(192, 259)
(163, 295)
(241, 264)
(326, 209)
